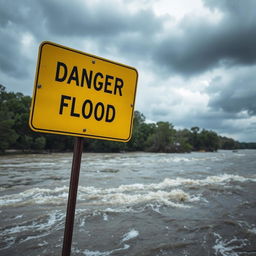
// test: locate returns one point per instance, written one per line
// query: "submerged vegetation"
(153, 137)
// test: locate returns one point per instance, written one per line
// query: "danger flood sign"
(79, 94)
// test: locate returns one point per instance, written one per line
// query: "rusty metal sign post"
(71, 206)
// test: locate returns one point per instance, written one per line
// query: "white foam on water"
(175, 159)
(226, 247)
(105, 217)
(54, 196)
(25, 166)
(36, 225)
(9, 242)
(239, 154)
(130, 235)
(82, 223)
(34, 237)
(105, 253)
(181, 159)
(35, 228)
(167, 158)
(163, 197)
(252, 230)
(154, 207)
(210, 180)
(18, 217)
(167, 183)
(120, 210)
(123, 194)
(44, 243)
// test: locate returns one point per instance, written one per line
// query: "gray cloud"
(12, 62)
(106, 25)
(195, 46)
(16, 19)
(25, 15)
(235, 95)
(235, 8)
(200, 45)
(99, 20)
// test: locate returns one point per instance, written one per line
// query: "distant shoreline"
(27, 152)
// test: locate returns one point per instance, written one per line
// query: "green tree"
(162, 140)
(209, 140)
(8, 134)
(26, 142)
(107, 146)
(194, 138)
(39, 143)
(141, 132)
(182, 144)
(228, 143)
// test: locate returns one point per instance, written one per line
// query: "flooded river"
(131, 204)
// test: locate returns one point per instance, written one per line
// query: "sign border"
(73, 133)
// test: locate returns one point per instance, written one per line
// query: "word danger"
(89, 79)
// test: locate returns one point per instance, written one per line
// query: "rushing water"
(139, 204)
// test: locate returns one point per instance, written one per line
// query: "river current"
(134, 204)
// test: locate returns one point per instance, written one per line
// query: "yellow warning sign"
(79, 94)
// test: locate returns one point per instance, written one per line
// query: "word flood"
(88, 110)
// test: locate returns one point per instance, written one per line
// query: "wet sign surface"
(79, 94)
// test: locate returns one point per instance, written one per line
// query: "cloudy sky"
(196, 58)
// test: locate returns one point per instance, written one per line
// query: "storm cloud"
(102, 19)
(236, 94)
(199, 45)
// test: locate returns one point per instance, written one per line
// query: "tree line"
(152, 137)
